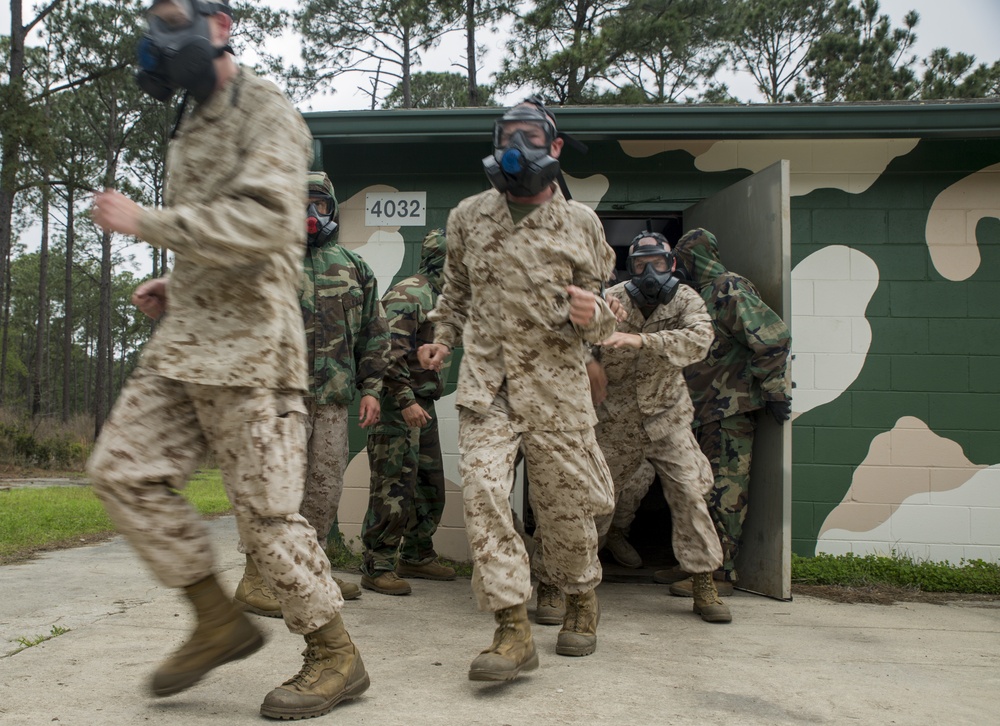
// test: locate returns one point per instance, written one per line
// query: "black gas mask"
(175, 51)
(520, 163)
(320, 227)
(651, 268)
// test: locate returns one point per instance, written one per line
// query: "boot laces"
(576, 606)
(704, 589)
(310, 667)
(548, 595)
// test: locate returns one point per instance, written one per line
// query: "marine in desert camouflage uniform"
(746, 371)
(522, 280)
(224, 371)
(347, 340)
(406, 498)
(646, 414)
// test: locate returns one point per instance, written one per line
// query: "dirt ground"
(887, 594)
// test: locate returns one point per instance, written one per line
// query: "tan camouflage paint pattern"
(647, 416)
(523, 381)
(570, 486)
(155, 437)
(235, 195)
(328, 456)
(505, 285)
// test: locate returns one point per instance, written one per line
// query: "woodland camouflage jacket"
(407, 304)
(747, 364)
(346, 329)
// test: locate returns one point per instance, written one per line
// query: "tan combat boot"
(706, 600)
(685, 588)
(254, 595)
(387, 583)
(512, 651)
(222, 634)
(579, 631)
(332, 672)
(348, 590)
(550, 608)
(432, 570)
(623, 552)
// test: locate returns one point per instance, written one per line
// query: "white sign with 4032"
(395, 209)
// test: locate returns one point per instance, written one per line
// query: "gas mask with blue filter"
(521, 164)
(651, 268)
(176, 51)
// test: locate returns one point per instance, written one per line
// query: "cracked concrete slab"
(806, 661)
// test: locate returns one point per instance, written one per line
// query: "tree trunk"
(6, 325)
(103, 379)
(10, 150)
(470, 51)
(35, 389)
(68, 306)
(407, 89)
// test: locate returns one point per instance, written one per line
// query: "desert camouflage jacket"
(646, 386)
(505, 296)
(747, 364)
(346, 330)
(236, 184)
(407, 304)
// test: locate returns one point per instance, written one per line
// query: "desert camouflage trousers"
(570, 486)
(406, 497)
(328, 455)
(728, 445)
(685, 476)
(155, 437)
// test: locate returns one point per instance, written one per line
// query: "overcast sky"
(971, 26)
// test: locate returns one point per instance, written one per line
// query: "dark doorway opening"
(620, 230)
(650, 534)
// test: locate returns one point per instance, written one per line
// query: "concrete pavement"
(807, 661)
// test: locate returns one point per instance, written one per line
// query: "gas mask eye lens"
(322, 204)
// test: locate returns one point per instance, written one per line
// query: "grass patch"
(39, 519)
(31, 642)
(896, 570)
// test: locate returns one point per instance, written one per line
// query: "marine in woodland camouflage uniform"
(224, 371)
(348, 342)
(745, 371)
(406, 500)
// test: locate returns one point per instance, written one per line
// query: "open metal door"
(751, 220)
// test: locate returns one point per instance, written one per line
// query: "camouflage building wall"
(895, 230)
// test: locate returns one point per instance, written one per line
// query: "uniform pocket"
(273, 468)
